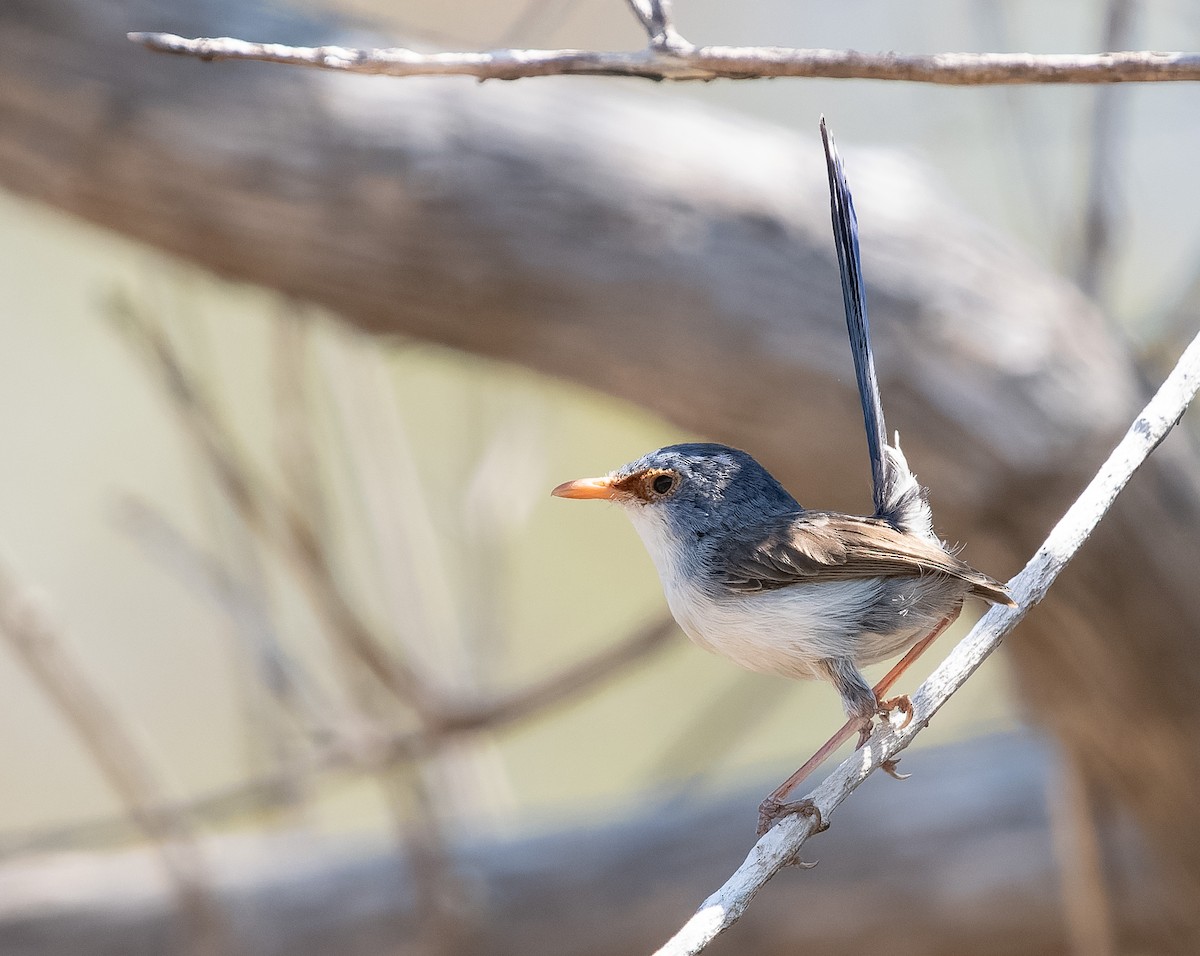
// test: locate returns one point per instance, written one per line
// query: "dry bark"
(681, 259)
(675, 59)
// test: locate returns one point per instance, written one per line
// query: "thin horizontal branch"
(682, 62)
(781, 845)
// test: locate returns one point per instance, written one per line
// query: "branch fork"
(655, 17)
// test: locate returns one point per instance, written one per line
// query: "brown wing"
(822, 546)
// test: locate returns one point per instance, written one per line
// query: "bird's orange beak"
(586, 488)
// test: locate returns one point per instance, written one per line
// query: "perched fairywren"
(750, 573)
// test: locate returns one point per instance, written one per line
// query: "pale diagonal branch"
(781, 845)
(680, 61)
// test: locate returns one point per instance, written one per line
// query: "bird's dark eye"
(662, 484)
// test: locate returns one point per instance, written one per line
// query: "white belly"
(785, 631)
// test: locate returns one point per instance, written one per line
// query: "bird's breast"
(785, 631)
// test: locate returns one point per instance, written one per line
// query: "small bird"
(780, 589)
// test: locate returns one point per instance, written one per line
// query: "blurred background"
(301, 657)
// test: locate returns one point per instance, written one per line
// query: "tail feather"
(845, 235)
(898, 498)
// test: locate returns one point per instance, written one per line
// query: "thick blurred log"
(679, 258)
(957, 859)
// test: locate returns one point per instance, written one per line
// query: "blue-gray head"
(689, 491)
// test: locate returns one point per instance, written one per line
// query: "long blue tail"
(845, 234)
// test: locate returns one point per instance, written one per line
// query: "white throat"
(664, 547)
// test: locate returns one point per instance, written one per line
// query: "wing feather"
(825, 546)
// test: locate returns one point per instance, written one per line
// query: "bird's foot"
(772, 810)
(902, 704)
(769, 811)
(865, 727)
(864, 734)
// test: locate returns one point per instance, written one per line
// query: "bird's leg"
(902, 702)
(774, 807)
(860, 701)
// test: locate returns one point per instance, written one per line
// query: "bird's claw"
(902, 704)
(884, 709)
(770, 811)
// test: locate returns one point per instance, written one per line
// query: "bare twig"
(1104, 161)
(566, 685)
(781, 845)
(283, 677)
(395, 523)
(417, 592)
(655, 17)
(295, 441)
(410, 794)
(277, 521)
(671, 62)
(1020, 133)
(114, 750)
(351, 754)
